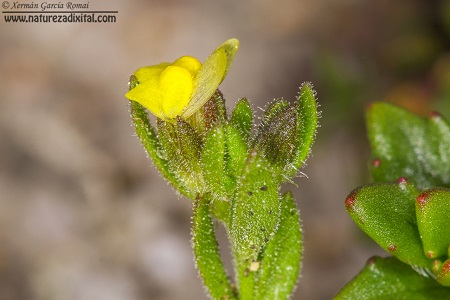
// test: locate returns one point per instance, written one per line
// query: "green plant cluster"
(407, 209)
(233, 174)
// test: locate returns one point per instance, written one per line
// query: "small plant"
(407, 210)
(231, 173)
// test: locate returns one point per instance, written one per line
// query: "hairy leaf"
(207, 256)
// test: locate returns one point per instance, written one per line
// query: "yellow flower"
(182, 87)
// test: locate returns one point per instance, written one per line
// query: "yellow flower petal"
(230, 47)
(149, 95)
(211, 75)
(148, 73)
(181, 88)
(175, 85)
(189, 63)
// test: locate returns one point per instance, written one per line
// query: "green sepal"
(307, 122)
(443, 275)
(433, 221)
(182, 147)
(242, 118)
(406, 145)
(236, 151)
(207, 255)
(287, 132)
(386, 212)
(213, 113)
(275, 138)
(280, 260)
(388, 278)
(150, 142)
(255, 209)
(213, 168)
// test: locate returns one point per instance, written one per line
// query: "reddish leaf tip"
(422, 199)
(392, 248)
(371, 261)
(434, 114)
(376, 162)
(402, 180)
(369, 106)
(430, 254)
(350, 201)
(436, 265)
(446, 268)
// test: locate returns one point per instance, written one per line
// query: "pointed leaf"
(214, 111)
(182, 147)
(307, 122)
(386, 212)
(255, 209)
(280, 263)
(213, 168)
(207, 255)
(237, 150)
(275, 138)
(151, 143)
(212, 162)
(286, 132)
(388, 278)
(242, 118)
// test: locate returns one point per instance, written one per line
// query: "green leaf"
(254, 217)
(242, 118)
(275, 138)
(307, 122)
(255, 209)
(433, 220)
(443, 275)
(390, 279)
(214, 110)
(213, 168)
(406, 145)
(236, 150)
(182, 146)
(386, 212)
(280, 262)
(207, 255)
(212, 162)
(286, 132)
(150, 142)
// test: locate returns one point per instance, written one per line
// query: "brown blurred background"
(83, 213)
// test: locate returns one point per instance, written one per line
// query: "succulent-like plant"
(407, 210)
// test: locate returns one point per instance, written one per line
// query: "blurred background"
(85, 215)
